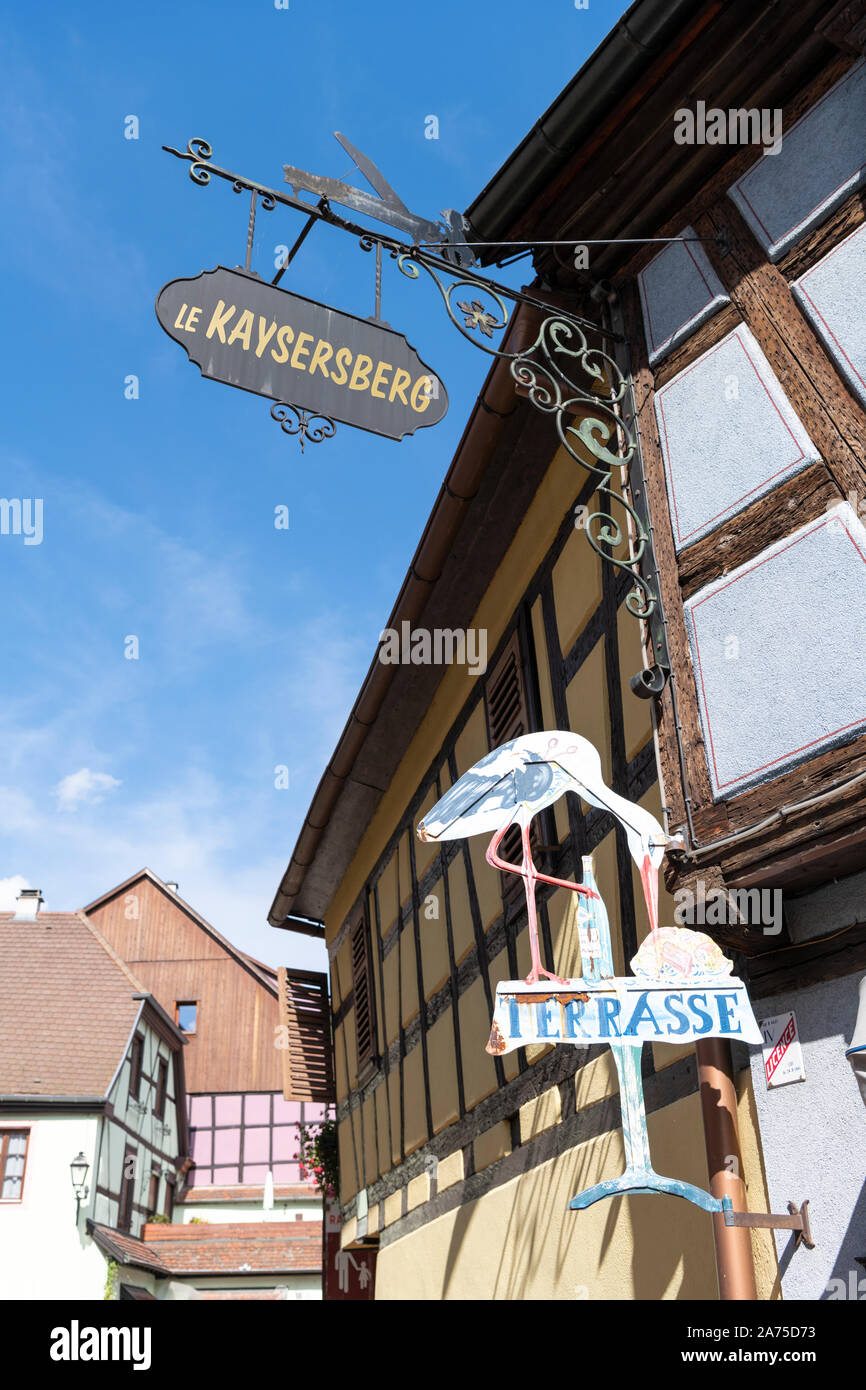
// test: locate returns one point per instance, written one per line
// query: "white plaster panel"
(779, 650)
(728, 434)
(832, 295)
(821, 161)
(678, 291)
(813, 1137)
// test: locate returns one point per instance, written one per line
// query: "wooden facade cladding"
(178, 957)
(307, 1053)
(799, 844)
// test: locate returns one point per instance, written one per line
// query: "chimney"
(172, 886)
(29, 900)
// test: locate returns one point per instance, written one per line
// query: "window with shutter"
(362, 986)
(135, 1066)
(161, 1088)
(508, 718)
(127, 1189)
(307, 1050)
(13, 1161)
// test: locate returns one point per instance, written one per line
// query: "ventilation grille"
(364, 1029)
(506, 697)
(508, 718)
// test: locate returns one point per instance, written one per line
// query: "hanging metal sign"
(681, 988)
(246, 333)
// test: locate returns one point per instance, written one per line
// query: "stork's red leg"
(530, 875)
(493, 859)
(566, 883)
(650, 880)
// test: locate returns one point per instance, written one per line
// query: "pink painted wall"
(235, 1139)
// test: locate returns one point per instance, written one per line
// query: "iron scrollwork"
(563, 375)
(309, 428)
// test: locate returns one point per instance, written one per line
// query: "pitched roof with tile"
(246, 1247)
(67, 1007)
(125, 1249)
(252, 1193)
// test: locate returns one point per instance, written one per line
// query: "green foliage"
(111, 1273)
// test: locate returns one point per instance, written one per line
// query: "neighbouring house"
(744, 362)
(91, 1075)
(278, 1260)
(243, 1131)
(99, 1087)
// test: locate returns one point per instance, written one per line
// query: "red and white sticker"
(783, 1055)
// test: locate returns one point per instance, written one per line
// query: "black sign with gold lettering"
(244, 332)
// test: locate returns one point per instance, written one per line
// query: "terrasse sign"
(246, 333)
(620, 1010)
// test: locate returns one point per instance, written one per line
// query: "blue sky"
(158, 513)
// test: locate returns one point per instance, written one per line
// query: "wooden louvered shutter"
(308, 1060)
(508, 718)
(362, 987)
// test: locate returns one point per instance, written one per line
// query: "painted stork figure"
(512, 784)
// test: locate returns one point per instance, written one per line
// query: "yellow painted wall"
(520, 1242)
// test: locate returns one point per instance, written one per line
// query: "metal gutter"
(634, 42)
(36, 1102)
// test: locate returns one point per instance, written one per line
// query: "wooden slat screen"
(308, 1061)
(505, 696)
(361, 985)
(508, 718)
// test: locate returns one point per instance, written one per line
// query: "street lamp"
(78, 1168)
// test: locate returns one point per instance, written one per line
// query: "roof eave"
(630, 47)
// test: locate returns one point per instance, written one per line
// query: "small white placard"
(783, 1055)
(361, 1213)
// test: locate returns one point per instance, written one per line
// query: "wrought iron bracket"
(797, 1221)
(585, 389)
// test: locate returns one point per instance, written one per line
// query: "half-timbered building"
(91, 1068)
(742, 337)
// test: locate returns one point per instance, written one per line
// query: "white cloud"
(9, 890)
(83, 786)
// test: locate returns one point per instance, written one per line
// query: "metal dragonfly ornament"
(681, 988)
(448, 236)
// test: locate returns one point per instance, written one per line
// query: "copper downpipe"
(725, 1163)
